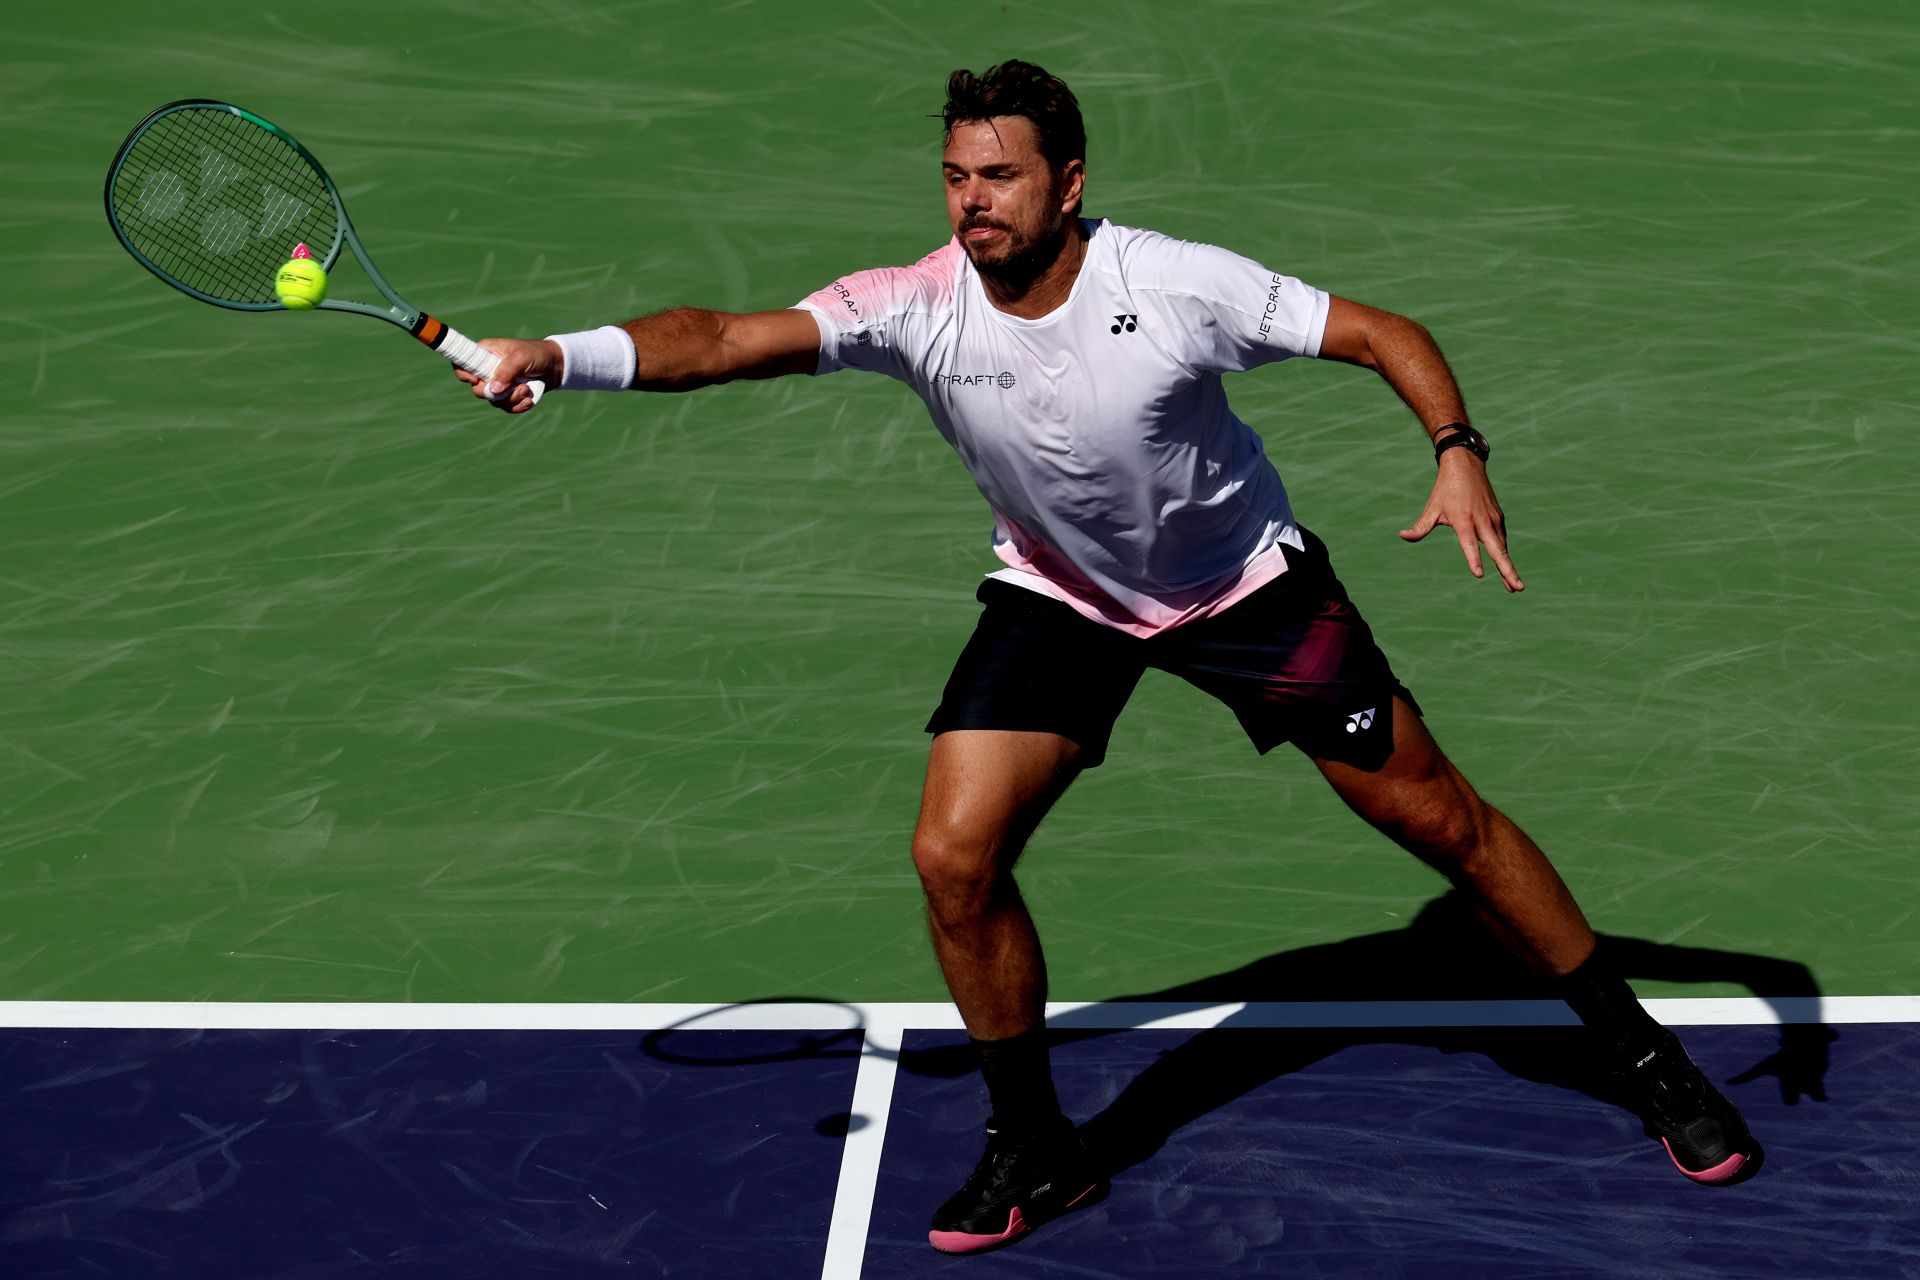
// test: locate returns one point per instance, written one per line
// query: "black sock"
(1605, 1002)
(1019, 1080)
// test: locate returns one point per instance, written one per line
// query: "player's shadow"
(1444, 954)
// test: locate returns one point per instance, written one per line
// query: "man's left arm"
(1405, 354)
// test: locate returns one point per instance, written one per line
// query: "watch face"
(1464, 437)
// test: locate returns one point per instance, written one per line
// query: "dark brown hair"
(1015, 88)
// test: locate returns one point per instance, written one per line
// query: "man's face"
(1006, 204)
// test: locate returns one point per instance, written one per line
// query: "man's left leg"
(1422, 801)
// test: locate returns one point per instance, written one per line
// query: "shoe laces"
(1670, 1086)
(1000, 1163)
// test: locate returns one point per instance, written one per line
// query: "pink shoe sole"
(970, 1242)
(1723, 1172)
(973, 1242)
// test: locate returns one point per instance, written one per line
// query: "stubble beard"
(1021, 260)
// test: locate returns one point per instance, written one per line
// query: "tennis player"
(1076, 368)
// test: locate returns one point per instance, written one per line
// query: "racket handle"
(469, 355)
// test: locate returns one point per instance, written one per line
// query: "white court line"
(802, 1015)
(885, 1025)
(860, 1157)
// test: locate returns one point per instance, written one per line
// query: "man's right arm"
(678, 350)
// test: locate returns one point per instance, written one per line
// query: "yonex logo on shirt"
(1005, 381)
(1124, 322)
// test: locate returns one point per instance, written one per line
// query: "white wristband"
(600, 359)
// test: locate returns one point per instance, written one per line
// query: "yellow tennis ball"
(300, 284)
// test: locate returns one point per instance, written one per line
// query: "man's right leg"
(986, 792)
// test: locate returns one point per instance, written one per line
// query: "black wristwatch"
(1458, 435)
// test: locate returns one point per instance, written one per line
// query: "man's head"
(1015, 164)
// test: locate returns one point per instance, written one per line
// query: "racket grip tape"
(466, 353)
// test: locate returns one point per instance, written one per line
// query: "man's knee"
(1444, 825)
(1456, 828)
(960, 869)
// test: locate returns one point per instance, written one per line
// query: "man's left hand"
(1463, 500)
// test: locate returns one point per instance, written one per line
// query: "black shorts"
(1294, 661)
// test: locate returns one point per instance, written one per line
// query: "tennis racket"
(212, 199)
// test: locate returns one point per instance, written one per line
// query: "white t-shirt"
(1120, 481)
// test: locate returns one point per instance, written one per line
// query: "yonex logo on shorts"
(1360, 720)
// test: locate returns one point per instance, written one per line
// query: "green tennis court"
(329, 686)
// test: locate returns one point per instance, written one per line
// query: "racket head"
(212, 199)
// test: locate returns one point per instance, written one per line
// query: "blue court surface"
(1454, 1153)
(305, 1154)
(1243, 1148)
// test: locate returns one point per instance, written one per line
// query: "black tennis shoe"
(1019, 1183)
(1703, 1133)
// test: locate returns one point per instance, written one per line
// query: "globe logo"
(1005, 380)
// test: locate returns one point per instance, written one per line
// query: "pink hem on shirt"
(1092, 604)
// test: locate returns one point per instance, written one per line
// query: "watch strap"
(1458, 435)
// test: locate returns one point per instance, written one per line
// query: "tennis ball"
(300, 284)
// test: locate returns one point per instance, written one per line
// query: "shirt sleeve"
(875, 320)
(1227, 313)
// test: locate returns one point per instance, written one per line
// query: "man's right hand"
(521, 362)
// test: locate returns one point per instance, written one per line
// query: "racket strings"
(216, 203)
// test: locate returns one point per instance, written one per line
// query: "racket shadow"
(828, 1029)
